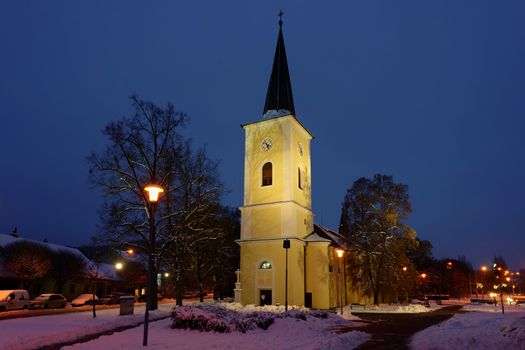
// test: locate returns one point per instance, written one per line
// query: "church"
(285, 257)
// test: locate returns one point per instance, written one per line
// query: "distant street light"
(119, 266)
(340, 254)
(153, 192)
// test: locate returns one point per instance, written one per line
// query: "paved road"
(393, 331)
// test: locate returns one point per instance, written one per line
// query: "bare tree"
(149, 148)
(66, 266)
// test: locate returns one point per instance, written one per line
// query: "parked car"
(84, 299)
(14, 299)
(48, 301)
(113, 298)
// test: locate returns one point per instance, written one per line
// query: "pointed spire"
(279, 96)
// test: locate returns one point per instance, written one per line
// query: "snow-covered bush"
(224, 319)
(188, 317)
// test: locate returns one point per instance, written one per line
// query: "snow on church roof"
(328, 235)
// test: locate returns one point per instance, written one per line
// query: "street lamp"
(497, 273)
(119, 266)
(340, 254)
(153, 192)
(483, 269)
(286, 246)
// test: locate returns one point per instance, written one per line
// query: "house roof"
(8, 239)
(105, 271)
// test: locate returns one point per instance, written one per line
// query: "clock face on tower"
(300, 149)
(266, 144)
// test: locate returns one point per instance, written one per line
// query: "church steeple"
(279, 96)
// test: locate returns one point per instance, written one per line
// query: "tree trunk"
(376, 296)
(201, 296)
(93, 302)
(178, 288)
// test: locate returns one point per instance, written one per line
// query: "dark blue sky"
(431, 92)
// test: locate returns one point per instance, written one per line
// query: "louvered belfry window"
(267, 174)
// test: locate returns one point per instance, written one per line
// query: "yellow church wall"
(318, 278)
(253, 279)
(255, 158)
(266, 225)
(302, 162)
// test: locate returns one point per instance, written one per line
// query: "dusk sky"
(431, 92)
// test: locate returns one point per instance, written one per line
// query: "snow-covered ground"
(482, 328)
(284, 333)
(390, 308)
(33, 332)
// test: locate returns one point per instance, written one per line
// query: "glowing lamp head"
(423, 275)
(339, 253)
(154, 192)
(130, 251)
(166, 274)
(404, 268)
(119, 266)
(483, 268)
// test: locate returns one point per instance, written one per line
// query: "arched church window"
(267, 174)
(300, 184)
(265, 265)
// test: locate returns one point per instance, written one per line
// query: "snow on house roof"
(8, 239)
(105, 271)
(108, 272)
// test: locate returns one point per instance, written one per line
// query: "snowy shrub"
(253, 320)
(319, 314)
(188, 317)
(225, 318)
(294, 314)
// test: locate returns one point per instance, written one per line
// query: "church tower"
(277, 200)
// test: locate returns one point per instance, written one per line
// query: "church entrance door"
(265, 297)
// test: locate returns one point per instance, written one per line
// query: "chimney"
(14, 233)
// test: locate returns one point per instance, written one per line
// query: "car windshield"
(42, 297)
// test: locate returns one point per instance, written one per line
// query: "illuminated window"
(266, 265)
(267, 174)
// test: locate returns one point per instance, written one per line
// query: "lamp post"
(497, 272)
(153, 192)
(286, 246)
(340, 254)
(483, 269)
